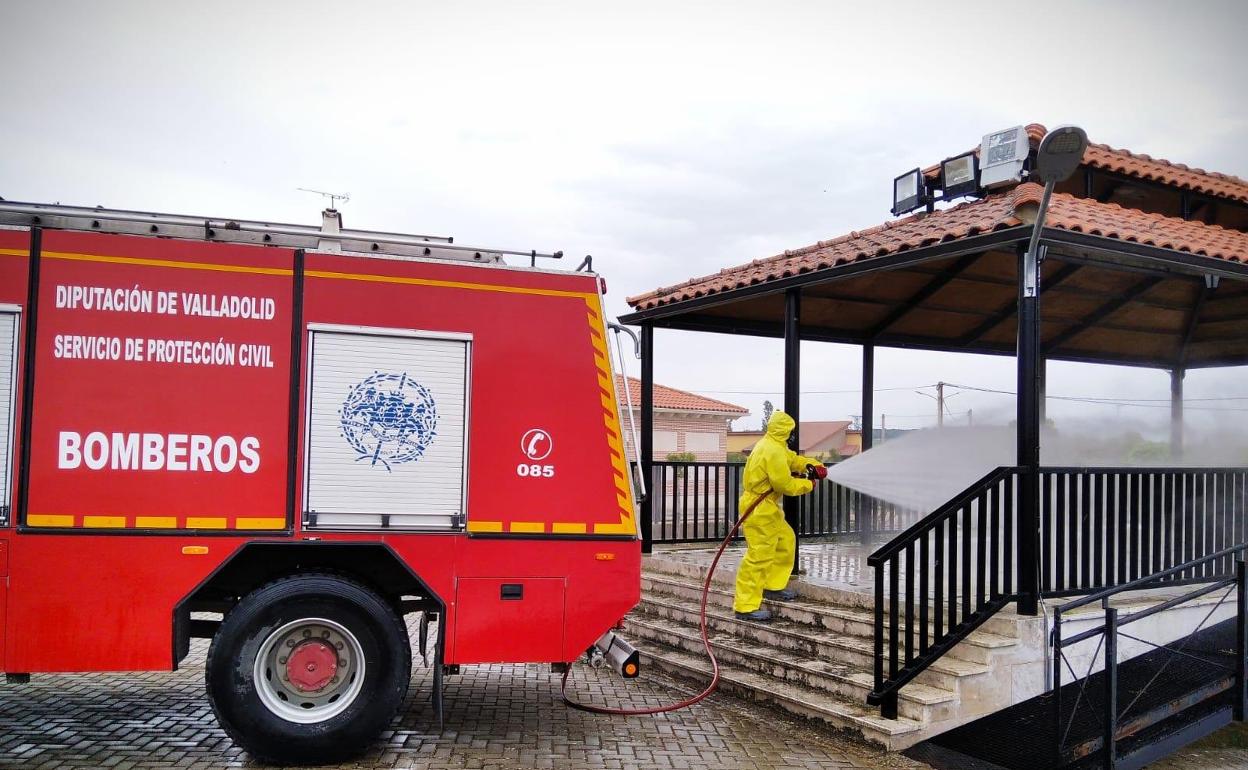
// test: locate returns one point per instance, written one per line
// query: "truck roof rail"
(329, 237)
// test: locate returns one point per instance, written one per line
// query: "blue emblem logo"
(389, 419)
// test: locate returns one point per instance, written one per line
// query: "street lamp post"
(1059, 154)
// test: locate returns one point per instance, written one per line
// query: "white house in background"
(683, 422)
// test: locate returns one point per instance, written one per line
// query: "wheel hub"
(309, 670)
(311, 665)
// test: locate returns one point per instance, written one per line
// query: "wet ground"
(497, 717)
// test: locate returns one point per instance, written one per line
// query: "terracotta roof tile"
(815, 432)
(917, 230)
(1109, 220)
(971, 218)
(680, 400)
(994, 212)
(1127, 163)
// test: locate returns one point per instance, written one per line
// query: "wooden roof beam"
(929, 289)
(1012, 307)
(1104, 311)
(1193, 319)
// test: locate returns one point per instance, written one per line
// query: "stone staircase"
(815, 658)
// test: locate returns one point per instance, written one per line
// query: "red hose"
(706, 642)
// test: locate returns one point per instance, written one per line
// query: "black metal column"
(646, 451)
(1042, 391)
(1109, 748)
(793, 392)
(1028, 420)
(868, 395)
(1240, 696)
(866, 518)
(1176, 412)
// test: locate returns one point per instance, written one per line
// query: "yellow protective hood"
(780, 426)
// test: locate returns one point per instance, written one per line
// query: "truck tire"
(308, 669)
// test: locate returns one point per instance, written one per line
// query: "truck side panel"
(14, 269)
(601, 586)
(539, 366)
(163, 390)
(94, 589)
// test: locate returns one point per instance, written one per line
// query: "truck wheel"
(308, 669)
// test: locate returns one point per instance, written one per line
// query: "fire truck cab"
(299, 442)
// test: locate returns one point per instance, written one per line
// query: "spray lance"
(813, 473)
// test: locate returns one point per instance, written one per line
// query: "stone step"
(844, 621)
(660, 567)
(919, 702)
(857, 718)
(805, 639)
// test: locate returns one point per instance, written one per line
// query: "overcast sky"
(667, 139)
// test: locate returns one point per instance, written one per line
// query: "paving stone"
(497, 717)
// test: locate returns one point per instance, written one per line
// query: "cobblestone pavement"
(497, 717)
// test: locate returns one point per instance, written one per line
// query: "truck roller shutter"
(387, 430)
(8, 381)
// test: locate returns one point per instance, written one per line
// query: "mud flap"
(437, 669)
(424, 639)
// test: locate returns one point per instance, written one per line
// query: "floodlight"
(1001, 157)
(1058, 156)
(958, 176)
(1060, 153)
(909, 192)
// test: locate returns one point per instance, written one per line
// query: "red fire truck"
(286, 439)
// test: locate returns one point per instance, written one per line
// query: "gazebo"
(1144, 263)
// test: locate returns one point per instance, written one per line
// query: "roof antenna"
(333, 197)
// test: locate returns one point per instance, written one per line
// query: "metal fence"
(698, 502)
(1103, 527)
(1098, 528)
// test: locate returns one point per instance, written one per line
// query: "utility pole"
(970, 418)
(883, 427)
(940, 405)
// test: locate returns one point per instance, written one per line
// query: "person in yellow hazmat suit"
(769, 540)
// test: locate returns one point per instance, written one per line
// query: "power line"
(1114, 400)
(1145, 403)
(804, 392)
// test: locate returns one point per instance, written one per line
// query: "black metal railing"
(698, 502)
(1097, 528)
(941, 579)
(1102, 527)
(1201, 674)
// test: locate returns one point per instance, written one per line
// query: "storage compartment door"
(387, 430)
(509, 620)
(8, 390)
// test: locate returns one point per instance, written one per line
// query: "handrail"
(1145, 581)
(928, 554)
(1115, 724)
(1139, 468)
(928, 522)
